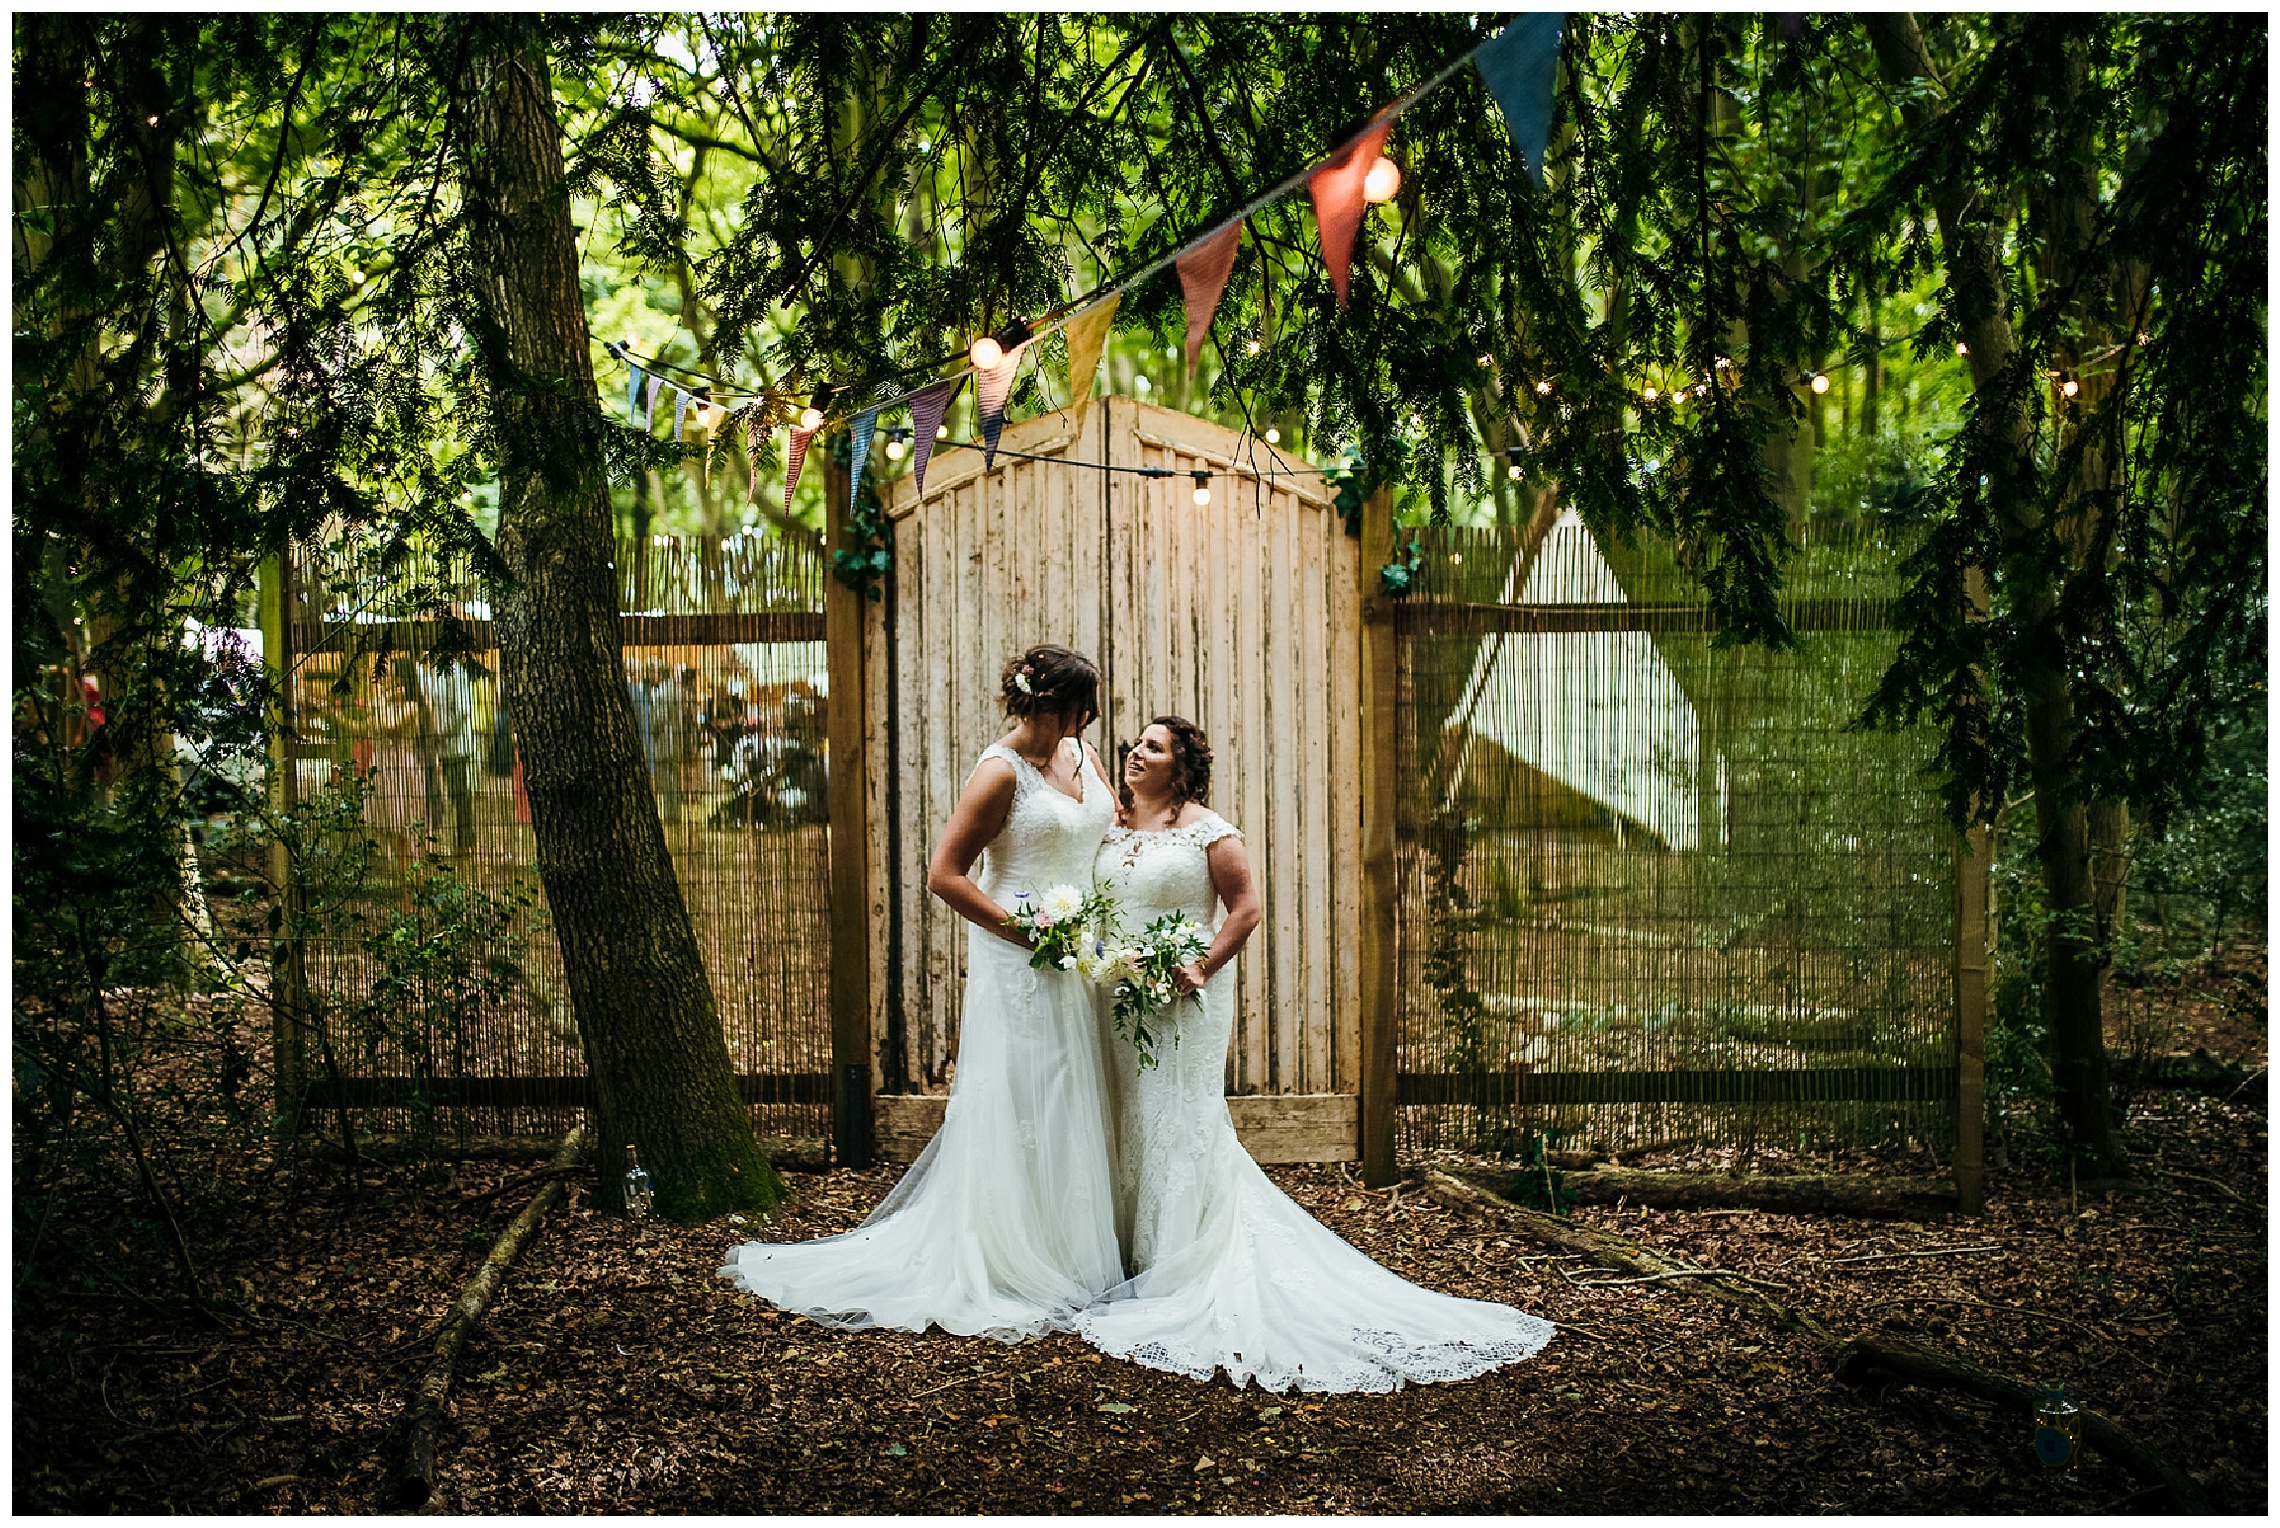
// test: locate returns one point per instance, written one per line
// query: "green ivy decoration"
(870, 534)
(1399, 577)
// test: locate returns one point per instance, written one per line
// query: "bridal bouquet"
(1140, 974)
(1066, 926)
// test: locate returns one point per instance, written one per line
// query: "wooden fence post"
(1381, 1010)
(273, 585)
(844, 711)
(1971, 1019)
(1971, 943)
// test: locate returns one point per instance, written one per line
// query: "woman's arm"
(978, 818)
(1231, 878)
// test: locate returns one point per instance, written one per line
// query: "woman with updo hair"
(1006, 1224)
(1228, 1273)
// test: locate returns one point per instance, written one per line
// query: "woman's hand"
(1190, 979)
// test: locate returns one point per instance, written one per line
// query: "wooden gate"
(1242, 615)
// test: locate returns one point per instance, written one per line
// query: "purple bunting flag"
(992, 386)
(927, 407)
(795, 461)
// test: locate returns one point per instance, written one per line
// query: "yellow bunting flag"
(1087, 332)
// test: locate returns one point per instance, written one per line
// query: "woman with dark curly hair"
(1228, 1272)
(1006, 1225)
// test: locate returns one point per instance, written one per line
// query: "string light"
(2144, 338)
(1382, 182)
(1820, 381)
(1652, 395)
(1274, 436)
(941, 432)
(1544, 388)
(1202, 487)
(2070, 387)
(1485, 358)
(1250, 347)
(1961, 348)
(1456, 559)
(991, 349)
(894, 446)
(1513, 469)
(811, 417)
(152, 119)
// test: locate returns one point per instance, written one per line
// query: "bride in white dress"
(1229, 1273)
(1005, 1225)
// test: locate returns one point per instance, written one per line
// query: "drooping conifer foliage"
(255, 297)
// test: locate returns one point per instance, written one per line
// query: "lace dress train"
(1005, 1224)
(1231, 1274)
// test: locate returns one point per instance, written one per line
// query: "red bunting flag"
(1337, 192)
(927, 407)
(992, 386)
(1203, 277)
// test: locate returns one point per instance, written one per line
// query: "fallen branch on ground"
(1783, 1193)
(423, 1414)
(1856, 1359)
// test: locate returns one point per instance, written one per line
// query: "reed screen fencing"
(395, 669)
(1652, 890)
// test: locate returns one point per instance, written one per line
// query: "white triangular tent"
(1598, 711)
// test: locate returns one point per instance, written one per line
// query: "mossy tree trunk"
(660, 1069)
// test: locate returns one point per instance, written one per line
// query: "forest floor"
(616, 1373)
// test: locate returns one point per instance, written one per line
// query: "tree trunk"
(1976, 277)
(651, 1032)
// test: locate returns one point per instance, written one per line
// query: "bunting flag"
(927, 407)
(992, 386)
(1087, 332)
(1203, 276)
(859, 444)
(649, 415)
(681, 403)
(1519, 66)
(795, 461)
(634, 377)
(1337, 192)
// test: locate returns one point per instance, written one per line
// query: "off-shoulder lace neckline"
(1208, 819)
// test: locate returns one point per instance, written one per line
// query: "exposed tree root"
(414, 1480)
(1857, 1359)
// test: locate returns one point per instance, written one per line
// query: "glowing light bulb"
(356, 277)
(2144, 338)
(1724, 362)
(941, 432)
(152, 119)
(1486, 359)
(1652, 395)
(811, 418)
(1274, 436)
(1544, 388)
(1513, 472)
(1202, 488)
(1382, 182)
(1961, 348)
(987, 352)
(2070, 387)
(1250, 347)
(1456, 559)
(894, 448)
(1820, 381)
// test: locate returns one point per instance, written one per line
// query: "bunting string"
(1517, 65)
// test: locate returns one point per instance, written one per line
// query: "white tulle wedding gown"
(1230, 1273)
(1005, 1225)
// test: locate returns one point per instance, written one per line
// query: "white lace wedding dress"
(1231, 1274)
(1005, 1225)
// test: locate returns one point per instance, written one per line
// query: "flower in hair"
(1021, 680)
